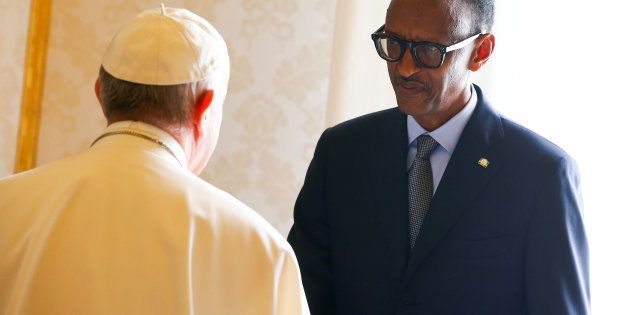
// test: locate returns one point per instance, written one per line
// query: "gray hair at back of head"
(170, 105)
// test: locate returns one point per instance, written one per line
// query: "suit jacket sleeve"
(310, 237)
(556, 274)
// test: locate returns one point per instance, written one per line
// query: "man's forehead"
(421, 8)
(421, 19)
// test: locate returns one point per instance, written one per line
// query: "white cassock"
(123, 228)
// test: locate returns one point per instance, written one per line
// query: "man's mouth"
(410, 88)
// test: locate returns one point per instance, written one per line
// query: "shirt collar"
(448, 134)
(153, 132)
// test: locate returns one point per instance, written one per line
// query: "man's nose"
(407, 66)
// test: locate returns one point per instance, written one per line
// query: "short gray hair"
(172, 105)
(481, 13)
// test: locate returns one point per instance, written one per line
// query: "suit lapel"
(462, 181)
(388, 174)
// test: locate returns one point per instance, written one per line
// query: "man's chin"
(413, 106)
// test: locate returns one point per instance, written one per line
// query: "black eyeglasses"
(425, 54)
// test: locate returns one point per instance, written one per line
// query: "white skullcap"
(165, 46)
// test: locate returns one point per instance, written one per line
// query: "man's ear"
(482, 52)
(201, 112)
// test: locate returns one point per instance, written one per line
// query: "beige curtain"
(359, 82)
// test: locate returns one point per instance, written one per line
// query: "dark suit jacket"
(506, 239)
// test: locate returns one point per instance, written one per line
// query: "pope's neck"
(182, 134)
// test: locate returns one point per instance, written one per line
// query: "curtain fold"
(359, 82)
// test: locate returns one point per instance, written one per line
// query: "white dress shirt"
(446, 135)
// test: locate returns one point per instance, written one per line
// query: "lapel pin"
(483, 162)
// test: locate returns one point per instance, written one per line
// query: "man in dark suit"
(441, 205)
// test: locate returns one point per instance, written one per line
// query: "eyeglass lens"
(391, 49)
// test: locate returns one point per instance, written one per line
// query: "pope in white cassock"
(127, 227)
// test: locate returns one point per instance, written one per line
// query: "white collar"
(156, 135)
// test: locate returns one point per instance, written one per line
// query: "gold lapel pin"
(483, 162)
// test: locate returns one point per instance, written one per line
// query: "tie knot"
(426, 145)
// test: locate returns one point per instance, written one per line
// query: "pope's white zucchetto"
(165, 46)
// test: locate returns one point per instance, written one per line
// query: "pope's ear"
(202, 110)
(482, 52)
(97, 89)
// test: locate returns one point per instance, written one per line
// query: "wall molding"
(33, 88)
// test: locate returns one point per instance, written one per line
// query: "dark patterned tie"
(420, 186)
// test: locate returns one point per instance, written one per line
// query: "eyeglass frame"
(404, 44)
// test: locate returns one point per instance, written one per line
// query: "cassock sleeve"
(290, 294)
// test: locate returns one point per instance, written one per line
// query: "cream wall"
(274, 113)
(14, 25)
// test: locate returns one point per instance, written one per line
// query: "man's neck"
(432, 122)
